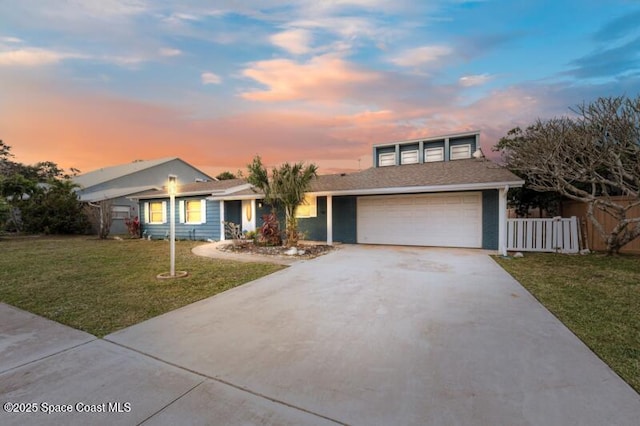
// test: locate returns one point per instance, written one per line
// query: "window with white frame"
(459, 152)
(156, 212)
(308, 207)
(433, 154)
(120, 212)
(409, 157)
(386, 159)
(193, 211)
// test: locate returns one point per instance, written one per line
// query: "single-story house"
(118, 184)
(427, 192)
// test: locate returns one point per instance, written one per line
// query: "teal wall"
(184, 231)
(233, 211)
(344, 219)
(490, 219)
(471, 140)
(315, 228)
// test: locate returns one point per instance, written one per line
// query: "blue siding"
(434, 144)
(184, 231)
(471, 140)
(490, 219)
(315, 228)
(344, 219)
(382, 150)
(409, 147)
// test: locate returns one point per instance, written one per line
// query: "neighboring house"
(118, 183)
(424, 192)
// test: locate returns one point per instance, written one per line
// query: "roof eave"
(209, 193)
(255, 196)
(428, 188)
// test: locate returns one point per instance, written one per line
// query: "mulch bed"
(305, 251)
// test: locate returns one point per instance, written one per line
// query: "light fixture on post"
(172, 189)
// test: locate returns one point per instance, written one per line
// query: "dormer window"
(433, 154)
(409, 157)
(459, 152)
(387, 159)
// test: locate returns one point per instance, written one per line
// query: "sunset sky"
(93, 83)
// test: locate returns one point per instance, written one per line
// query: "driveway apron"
(388, 335)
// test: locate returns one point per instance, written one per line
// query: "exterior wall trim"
(417, 189)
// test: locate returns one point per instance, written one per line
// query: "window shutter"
(182, 212)
(164, 212)
(146, 213)
(203, 211)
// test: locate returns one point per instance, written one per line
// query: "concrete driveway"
(365, 335)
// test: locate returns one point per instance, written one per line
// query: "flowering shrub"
(270, 230)
(133, 226)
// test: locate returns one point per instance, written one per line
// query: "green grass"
(596, 296)
(102, 286)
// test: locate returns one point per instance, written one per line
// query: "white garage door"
(444, 220)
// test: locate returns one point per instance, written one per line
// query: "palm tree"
(286, 186)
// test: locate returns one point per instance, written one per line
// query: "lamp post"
(172, 188)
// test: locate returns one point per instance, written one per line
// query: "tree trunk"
(292, 229)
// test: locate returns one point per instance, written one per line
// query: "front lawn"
(596, 296)
(102, 286)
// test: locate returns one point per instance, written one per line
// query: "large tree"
(591, 157)
(285, 186)
(38, 198)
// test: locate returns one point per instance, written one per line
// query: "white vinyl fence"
(559, 235)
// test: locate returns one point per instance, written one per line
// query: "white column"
(253, 214)
(222, 238)
(329, 220)
(502, 220)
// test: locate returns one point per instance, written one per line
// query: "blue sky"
(99, 82)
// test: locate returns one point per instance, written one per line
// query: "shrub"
(133, 226)
(270, 230)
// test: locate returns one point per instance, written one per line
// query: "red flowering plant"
(133, 226)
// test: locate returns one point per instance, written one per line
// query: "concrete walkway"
(365, 335)
(211, 250)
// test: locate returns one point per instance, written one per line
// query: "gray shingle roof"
(106, 174)
(466, 174)
(443, 173)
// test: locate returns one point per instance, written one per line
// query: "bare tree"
(100, 215)
(592, 158)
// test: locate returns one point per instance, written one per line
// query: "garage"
(441, 220)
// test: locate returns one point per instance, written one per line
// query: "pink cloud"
(295, 41)
(324, 78)
(421, 56)
(33, 57)
(210, 78)
(88, 130)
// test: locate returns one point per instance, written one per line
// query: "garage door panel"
(447, 220)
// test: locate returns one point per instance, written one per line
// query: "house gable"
(153, 173)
